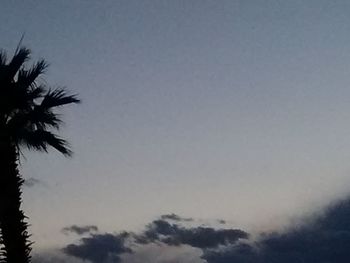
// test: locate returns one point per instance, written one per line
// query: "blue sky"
(209, 109)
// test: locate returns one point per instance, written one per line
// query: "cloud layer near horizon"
(324, 238)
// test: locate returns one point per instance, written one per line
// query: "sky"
(232, 110)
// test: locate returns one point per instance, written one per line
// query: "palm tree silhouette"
(27, 118)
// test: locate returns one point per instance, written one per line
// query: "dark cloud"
(99, 248)
(30, 182)
(105, 248)
(323, 239)
(80, 230)
(199, 237)
(175, 217)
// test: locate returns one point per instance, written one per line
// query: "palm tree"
(27, 118)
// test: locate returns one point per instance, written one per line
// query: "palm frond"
(43, 117)
(27, 106)
(40, 140)
(3, 58)
(36, 93)
(27, 78)
(16, 98)
(3, 66)
(38, 117)
(17, 61)
(58, 97)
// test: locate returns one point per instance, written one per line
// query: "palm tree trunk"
(13, 227)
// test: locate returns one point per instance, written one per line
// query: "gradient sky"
(210, 109)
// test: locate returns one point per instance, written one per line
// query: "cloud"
(322, 238)
(199, 237)
(80, 230)
(326, 238)
(107, 247)
(99, 248)
(175, 217)
(30, 182)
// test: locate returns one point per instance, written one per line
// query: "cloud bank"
(162, 232)
(324, 238)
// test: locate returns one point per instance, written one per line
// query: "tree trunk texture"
(13, 226)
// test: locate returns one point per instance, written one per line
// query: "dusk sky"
(233, 110)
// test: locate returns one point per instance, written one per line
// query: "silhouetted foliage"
(27, 118)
